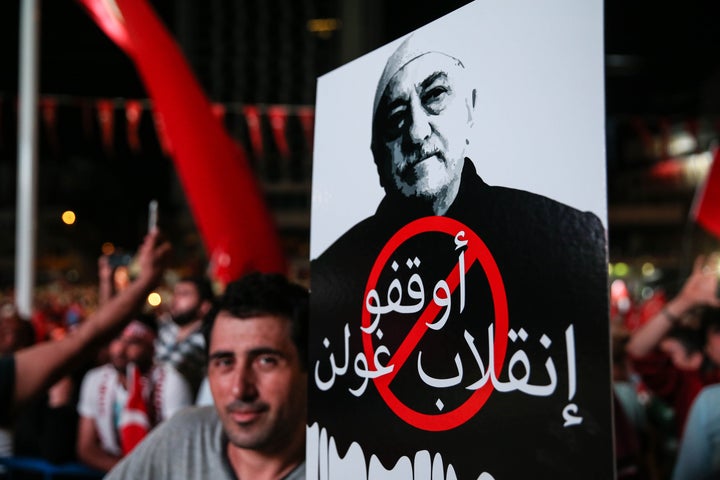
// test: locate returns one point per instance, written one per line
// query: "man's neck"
(184, 331)
(255, 465)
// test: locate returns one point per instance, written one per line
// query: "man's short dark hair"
(259, 294)
(202, 285)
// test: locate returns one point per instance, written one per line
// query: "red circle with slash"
(476, 251)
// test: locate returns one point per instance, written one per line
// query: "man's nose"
(244, 384)
(419, 128)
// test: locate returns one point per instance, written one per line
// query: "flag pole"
(25, 232)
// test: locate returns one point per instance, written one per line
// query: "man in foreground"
(256, 336)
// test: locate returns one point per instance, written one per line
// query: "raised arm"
(40, 366)
(700, 289)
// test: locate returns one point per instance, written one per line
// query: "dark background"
(662, 72)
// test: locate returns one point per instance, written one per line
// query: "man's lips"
(246, 414)
(422, 157)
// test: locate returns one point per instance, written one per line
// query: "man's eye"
(222, 362)
(434, 99)
(267, 361)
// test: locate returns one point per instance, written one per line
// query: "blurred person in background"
(662, 353)
(180, 340)
(30, 371)
(699, 455)
(107, 396)
(15, 333)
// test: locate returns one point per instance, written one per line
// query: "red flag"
(252, 117)
(134, 422)
(133, 113)
(307, 120)
(219, 184)
(49, 116)
(106, 119)
(706, 208)
(278, 121)
(162, 135)
(219, 111)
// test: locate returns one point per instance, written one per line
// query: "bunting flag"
(219, 110)
(278, 122)
(163, 139)
(48, 107)
(106, 119)
(134, 422)
(706, 207)
(307, 121)
(219, 184)
(133, 113)
(252, 117)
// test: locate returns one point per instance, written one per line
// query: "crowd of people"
(94, 392)
(665, 374)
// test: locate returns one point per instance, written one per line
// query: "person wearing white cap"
(551, 260)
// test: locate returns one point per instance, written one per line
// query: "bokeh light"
(68, 217)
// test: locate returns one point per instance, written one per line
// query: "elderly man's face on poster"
(423, 122)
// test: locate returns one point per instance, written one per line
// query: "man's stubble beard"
(184, 318)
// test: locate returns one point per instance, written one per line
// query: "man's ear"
(205, 307)
(377, 151)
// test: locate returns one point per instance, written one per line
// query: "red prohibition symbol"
(478, 252)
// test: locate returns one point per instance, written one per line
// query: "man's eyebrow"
(441, 75)
(220, 354)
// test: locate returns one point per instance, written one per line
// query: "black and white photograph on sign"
(459, 309)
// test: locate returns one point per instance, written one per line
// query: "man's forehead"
(413, 48)
(226, 324)
(421, 71)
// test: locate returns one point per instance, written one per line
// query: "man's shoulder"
(95, 375)
(193, 427)
(188, 445)
(709, 396)
(542, 211)
(347, 243)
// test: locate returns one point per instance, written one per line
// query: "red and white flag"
(134, 421)
(706, 208)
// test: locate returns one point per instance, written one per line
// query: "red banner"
(278, 121)
(252, 117)
(307, 121)
(49, 116)
(133, 113)
(106, 119)
(220, 186)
